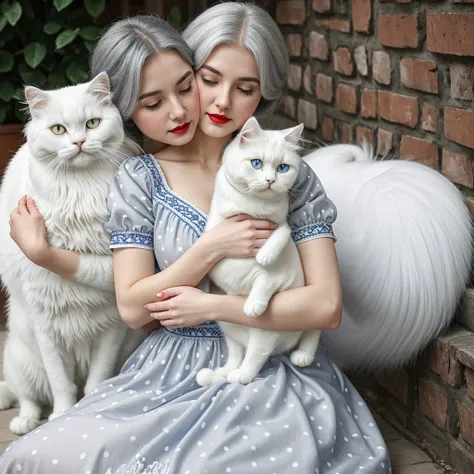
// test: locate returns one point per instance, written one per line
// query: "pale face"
(229, 90)
(168, 108)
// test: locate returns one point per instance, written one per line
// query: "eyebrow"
(215, 71)
(180, 80)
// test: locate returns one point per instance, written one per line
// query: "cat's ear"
(36, 98)
(249, 131)
(292, 135)
(100, 87)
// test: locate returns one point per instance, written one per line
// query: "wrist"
(210, 251)
(42, 256)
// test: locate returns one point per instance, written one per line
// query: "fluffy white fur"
(262, 193)
(404, 249)
(63, 334)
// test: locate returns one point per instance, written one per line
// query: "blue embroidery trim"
(208, 329)
(176, 204)
(128, 239)
(312, 231)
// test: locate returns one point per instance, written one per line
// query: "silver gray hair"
(250, 26)
(122, 52)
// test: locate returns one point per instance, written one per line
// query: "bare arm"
(318, 305)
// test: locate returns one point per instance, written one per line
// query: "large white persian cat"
(258, 170)
(404, 249)
(63, 335)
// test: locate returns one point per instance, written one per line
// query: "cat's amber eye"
(58, 129)
(92, 123)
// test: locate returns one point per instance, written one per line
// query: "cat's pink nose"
(270, 181)
(79, 144)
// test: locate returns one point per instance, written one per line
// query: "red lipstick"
(219, 119)
(181, 129)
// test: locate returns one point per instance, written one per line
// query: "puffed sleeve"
(311, 213)
(130, 204)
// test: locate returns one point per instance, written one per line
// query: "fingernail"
(160, 294)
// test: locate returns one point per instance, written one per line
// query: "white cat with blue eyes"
(259, 167)
(64, 335)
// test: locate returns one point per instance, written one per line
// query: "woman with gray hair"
(154, 418)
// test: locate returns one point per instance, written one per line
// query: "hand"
(181, 306)
(28, 230)
(240, 236)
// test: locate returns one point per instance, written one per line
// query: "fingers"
(157, 306)
(263, 234)
(22, 208)
(263, 224)
(33, 210)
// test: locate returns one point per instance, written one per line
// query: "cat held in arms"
(259, 167)
(65, 336)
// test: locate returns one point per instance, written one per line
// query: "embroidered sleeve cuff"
(312, 231)
(131, 239)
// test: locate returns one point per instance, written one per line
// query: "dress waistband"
(208, 329)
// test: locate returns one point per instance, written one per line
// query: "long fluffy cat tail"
(405, 245)
(7, 398)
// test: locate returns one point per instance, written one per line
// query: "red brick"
(308, 114)
(346, 133)
(458, 126)
(322, 6)
(470, 381)
(398, 108)
(364, 134)
(368, 108)
(420, 75)
(343, 63)
(395, 382)
(339, 25)
(362, 15)
(381, 67)
(398, 31)
(346, 98)
(307, 79)
(466, 423)
(416, 149)
(327, 126)
(450, 33)
(294, 44)
(360, 58)
(291, 12)
(429, 119)
(289, 106)
(324, 88)
(384, 142)
(318, 46)
(294, 77)
(433, 403)
(462, 81)
(457, 168)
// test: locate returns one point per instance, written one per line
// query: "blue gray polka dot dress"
(153, 418)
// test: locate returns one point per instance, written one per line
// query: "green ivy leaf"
(13, 13)
(31, 77)
(76, 73)
(57, 79)
(90, 33)
(6, 61)
(62, 4)
(3, 111)
(34, 54)
(94, 7)
(174, 18)
(19, 94)
(89, 45)
(20, 112)
(3, 22)
(66, 37)
(7, 91)
(51, 28)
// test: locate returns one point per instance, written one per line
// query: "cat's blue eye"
(283, 168)
(257, 164)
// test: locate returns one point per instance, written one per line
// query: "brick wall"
(399, 74)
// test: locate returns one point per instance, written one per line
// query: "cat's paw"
(21, 426)
(301, 359)
(55, 414)
(90, 386)
(241, 376)
(266, 259)
(206, 377)
(224, 371)
(254, 309)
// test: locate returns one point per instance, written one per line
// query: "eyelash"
(183, 92)
(242, 91)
